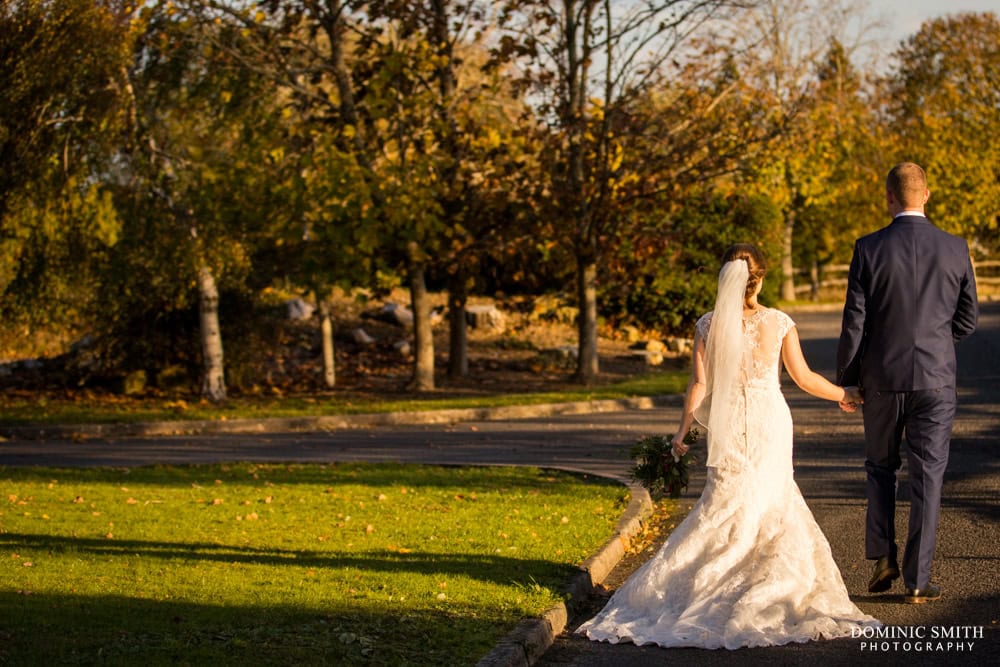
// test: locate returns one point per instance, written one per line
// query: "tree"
(943, 98)
(793, 45)
(383, 81)
(194, 180)
(588, 63)
(843, 145)
(62, 65)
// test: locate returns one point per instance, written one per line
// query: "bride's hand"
(678, 446)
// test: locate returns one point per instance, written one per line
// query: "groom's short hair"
(908, 182)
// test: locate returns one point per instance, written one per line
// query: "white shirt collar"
(916, 213)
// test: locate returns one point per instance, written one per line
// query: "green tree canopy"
(62, 66)
(944, 105)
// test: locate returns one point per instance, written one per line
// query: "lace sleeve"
(785, 324)
(701, 327)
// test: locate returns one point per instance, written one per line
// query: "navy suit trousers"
(925, 417)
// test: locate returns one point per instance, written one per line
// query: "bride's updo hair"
(755, 263)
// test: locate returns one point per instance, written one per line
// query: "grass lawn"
(20, 408)
(341, 564)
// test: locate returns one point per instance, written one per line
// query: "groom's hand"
(852, 399)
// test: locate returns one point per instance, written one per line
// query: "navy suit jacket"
(911, 294)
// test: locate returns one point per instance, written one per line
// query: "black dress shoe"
(922, 595)
(886, 569)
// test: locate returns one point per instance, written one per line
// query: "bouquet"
(656, 467)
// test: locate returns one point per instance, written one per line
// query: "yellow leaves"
(260, 16)
(225, 96)
(493, 138)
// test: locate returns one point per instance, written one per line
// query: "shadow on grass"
(42, 629)
(491, 568)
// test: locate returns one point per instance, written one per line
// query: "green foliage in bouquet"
(657, 469)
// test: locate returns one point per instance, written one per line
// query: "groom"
(911, 295)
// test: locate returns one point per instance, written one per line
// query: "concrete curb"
(332, 422)
(532, 637)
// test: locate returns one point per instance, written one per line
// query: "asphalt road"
(829, 470)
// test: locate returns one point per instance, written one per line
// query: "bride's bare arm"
(808, 380)
(693, 396)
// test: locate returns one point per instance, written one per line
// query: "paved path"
(828, 465)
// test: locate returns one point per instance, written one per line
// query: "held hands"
(852, 399)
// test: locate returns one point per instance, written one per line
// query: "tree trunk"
(814, 280)
(458, 339)
(787, 267)
(329, 370)
(587, 360)
(423, 336)
(214, 386)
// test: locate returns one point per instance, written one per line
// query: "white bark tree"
(214, 384)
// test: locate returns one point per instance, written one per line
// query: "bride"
(748, 566)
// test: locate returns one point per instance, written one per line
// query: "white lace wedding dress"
(748, 566)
